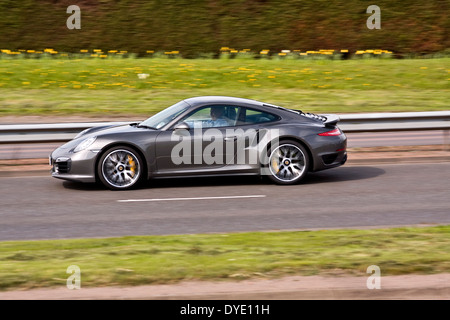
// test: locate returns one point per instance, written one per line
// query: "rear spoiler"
(328, 119)
(331, 119)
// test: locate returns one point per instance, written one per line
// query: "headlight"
(85, 144)
(82, 132)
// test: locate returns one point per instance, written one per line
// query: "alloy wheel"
(287, 163)
(121, 169)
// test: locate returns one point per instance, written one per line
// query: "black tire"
(120, 168)
(288, 162)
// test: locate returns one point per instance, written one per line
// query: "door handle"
(231, 138)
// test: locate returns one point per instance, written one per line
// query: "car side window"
(250, 116)
(212, 116)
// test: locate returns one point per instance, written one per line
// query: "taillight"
(335, 132)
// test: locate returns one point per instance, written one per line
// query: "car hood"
(112, 129)
(106, 132)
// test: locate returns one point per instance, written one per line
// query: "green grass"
(93, 87)
(142, 260)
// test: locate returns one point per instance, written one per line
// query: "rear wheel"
(120, 168)
(288, 163)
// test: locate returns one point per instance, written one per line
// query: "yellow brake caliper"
(132, 165)
(275, 165)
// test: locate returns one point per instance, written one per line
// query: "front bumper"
(71, 166)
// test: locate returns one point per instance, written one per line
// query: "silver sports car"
(205, 136)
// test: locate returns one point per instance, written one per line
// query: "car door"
(196, 143)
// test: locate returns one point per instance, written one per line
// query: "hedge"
(194, 27)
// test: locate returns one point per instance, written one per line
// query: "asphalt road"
(355, 140)
(42, 207)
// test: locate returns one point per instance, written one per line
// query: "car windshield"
(162, 118)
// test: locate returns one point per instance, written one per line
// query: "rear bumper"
(333, 160)
(331, 155)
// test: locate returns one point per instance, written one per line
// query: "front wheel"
(120, 168)
(288, 163)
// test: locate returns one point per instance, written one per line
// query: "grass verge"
(93, 87)
(139, 260)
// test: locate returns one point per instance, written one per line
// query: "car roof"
(222, 99)
(201, 100)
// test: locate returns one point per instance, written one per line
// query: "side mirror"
(182, 126)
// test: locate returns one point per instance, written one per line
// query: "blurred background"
(133, 58)
(196, 27)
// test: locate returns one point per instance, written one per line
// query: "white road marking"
(196, 198)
